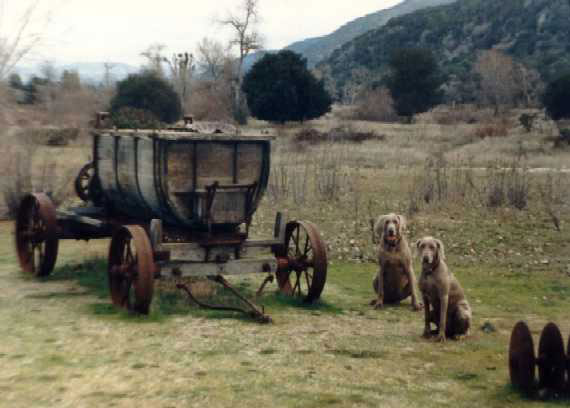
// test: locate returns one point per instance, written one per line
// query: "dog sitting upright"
(450, 311)
(395, 280)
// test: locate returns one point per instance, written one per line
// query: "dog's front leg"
(444, 297)
(413, 287)
(427, 318)
(380, 288)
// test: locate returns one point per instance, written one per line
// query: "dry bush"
(317, 176)
(211, 101)
(342, 134)
(27, 172)
(375, 105)
(554, 193)
(497, 128)
(442, 183)
(454, 115)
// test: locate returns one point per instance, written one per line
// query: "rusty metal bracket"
(268, 279)
(255, 312)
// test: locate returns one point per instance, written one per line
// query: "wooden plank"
(197, 269)
(170, 135)
(193, 252)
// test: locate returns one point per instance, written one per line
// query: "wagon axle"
(553, 364)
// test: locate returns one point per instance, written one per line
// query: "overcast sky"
(119, 30)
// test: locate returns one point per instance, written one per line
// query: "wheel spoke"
(308, 282)
(306, 250)
(297, 283)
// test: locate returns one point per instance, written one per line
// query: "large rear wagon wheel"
(36, 235)
(307, 262)
(131, 269)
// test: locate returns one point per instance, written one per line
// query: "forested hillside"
(534, 32)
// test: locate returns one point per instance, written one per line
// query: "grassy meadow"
(507, 240)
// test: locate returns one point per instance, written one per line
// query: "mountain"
(534, 32)
(89, 72)
(318, 48)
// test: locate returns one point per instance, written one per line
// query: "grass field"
(64, 345)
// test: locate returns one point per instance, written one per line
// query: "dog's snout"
(426, 258)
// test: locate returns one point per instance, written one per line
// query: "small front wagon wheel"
(36, 234)
(306, 255)
(131, 269)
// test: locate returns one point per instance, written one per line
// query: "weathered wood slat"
(240, 267)
(166, 175)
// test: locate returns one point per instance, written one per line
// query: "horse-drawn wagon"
(176, 203)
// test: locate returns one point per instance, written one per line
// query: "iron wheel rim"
(36, 235)
(307, 259)
(130, 270)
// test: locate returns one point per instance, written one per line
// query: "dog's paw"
(426, 334)
(440, 338)
(417, 307)
(379, 305)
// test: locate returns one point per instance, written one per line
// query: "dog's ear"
(379, 226)
(440, 249)
(417, 247)
(403, 222)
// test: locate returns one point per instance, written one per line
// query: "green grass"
(64, 344)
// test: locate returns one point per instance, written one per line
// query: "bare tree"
(246, 38)
(496, 72)
(212, 57)
(154, 57)
(181, 71)
(22, 38)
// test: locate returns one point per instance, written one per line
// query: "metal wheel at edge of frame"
(131, 269)
(307, 259)
(551, 358)
(36, 234)
(522, 362)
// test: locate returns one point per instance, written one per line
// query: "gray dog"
(450, 311)
(395, 280)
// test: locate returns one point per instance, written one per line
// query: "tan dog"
(450, 311)
(395, 280)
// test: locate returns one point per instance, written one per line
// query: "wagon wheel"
(521, 358)
(83, 180)
(307, 260)
(551, 358)
(36, 234)
(131, 269)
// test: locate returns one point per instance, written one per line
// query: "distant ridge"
(318, 48)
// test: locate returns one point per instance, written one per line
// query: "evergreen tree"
(414, 81)
(556, 98)
(148, 92)
(280, 88)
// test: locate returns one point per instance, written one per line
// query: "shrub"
(414, 81)
(148, 92)
(375, 105)
(280, 88)
(557, 96)
(133, 118)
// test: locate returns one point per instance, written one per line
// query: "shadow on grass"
(91, 276)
